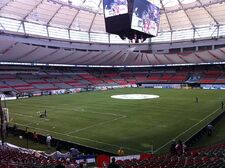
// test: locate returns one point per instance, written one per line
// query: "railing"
(203, 130)
(27, 28)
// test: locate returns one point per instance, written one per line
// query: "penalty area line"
(31, 123)
(82, 110)
(186, 131)
(94, 125)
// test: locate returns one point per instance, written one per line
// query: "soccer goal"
(5, 114)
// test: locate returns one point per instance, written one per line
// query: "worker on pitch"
(43, 114)
(196, 100)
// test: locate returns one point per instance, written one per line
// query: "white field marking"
(111, 114)
(114, 109)
(67, 134)
(134, 96)
(81, 110)
(95, 112)
(24, 115)
(38, 122)
(86, 139)
(29, 124)
(186, 130)
(94, 125)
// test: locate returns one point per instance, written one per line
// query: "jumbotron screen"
(115, 7)
(145, 17)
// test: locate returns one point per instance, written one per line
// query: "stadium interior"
(61, 48)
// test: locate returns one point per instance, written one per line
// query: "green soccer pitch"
(95, 119)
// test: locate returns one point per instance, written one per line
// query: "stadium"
(85, 81)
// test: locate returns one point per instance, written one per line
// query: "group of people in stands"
(14, 157)
(69, 160)
(66, 160)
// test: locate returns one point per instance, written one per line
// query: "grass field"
(95, 119)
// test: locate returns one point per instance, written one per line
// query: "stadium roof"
(83, 20)
(17, 53)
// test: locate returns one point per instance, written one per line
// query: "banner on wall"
(103, 160)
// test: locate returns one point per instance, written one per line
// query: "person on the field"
(222, 104)
(196, 99)
(45, 113)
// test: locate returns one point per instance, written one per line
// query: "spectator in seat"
(58, 146)
(179, 148)
(74, 152)
(69, 164)
(113, 164)
(83, 164)
(14, 129)
(35, 137)
(48, 141)
(60, 165)
(173, 148)
(209, 129)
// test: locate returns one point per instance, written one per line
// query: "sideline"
(158, 149)
(24, 115)
(81, 138)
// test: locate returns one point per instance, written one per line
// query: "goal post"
(151, 149)
(5, 114)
